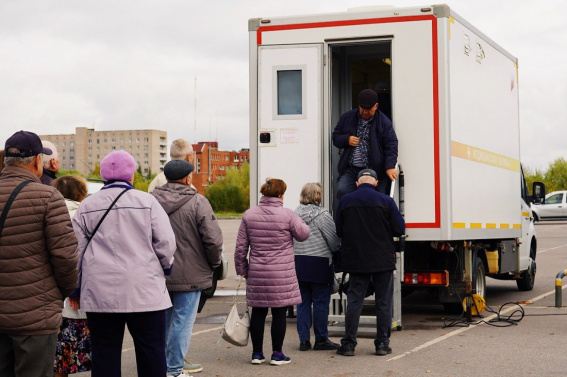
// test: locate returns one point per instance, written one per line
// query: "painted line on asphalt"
(463, 329)
(551, 248)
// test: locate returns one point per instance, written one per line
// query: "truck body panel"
(452, 96)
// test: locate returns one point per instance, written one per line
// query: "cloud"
(129, 65)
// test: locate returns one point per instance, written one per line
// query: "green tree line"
(141, 181)
(555, 177)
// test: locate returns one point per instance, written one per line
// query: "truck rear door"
(290, 116)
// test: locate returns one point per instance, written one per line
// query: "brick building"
(86, 148)
(212, 164)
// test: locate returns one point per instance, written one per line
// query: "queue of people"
(123, 257)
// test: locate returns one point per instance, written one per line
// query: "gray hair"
(48, 157)
(16, 161)
(367, 179)
(179, 149)
(311, 193)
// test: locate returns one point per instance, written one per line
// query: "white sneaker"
(182, 374)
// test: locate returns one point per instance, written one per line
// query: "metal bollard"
(558, 288)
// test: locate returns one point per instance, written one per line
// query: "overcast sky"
(132, 64)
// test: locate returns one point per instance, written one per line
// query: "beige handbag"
(236, 330)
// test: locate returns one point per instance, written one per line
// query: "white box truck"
(452, 95)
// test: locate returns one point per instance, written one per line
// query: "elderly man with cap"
(367, 222)
(199, 250)
(50, 163)
(38, 260)
(367, 140)
(126, 246)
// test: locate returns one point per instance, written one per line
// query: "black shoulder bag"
(9, 204)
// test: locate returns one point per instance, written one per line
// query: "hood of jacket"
(308, 212)
(172, 196)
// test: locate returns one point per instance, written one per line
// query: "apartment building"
(86, 148)
(212, 164)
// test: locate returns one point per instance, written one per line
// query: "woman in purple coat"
(268, 230)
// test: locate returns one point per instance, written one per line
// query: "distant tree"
(63, 172)
(556, 175)
(232, 192)
(140, 183)
(533, 176)
(95, 173)
(139, 170)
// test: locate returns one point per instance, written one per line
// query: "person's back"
(122, 253)
(367, 221)
(38, 261)
(198, 236)
(37, 232)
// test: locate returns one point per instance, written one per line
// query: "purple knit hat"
(118, 165)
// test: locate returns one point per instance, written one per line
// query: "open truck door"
(289, 117)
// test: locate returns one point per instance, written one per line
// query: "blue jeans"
(320, 296)
(179, 321)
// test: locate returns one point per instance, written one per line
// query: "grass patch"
(223, 214)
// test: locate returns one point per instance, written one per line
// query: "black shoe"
(382, 349)
(325, 344)
(304, 345)
(346, 349)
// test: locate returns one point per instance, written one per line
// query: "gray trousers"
(27, 355)
(384, 295)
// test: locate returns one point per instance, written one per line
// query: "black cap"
(28, 144)
(367, 173)
(175, 170)
(367, 98)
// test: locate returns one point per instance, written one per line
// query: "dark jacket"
(47, 177)
(383, 142)
(38, 256)
(367, 221)
(198, 237)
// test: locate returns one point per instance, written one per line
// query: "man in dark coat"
(367, 222)
(368, 140)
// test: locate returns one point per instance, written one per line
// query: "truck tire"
(478, 285)
(479, 277)
(527, 278)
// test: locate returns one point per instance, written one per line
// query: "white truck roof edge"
(444, 11)
(254, 24)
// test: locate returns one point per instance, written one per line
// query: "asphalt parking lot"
(535, 346)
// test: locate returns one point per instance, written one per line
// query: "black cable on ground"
(500, 321)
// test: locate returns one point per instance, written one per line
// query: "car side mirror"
(538, 189)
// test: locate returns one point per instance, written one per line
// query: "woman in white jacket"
(73, 341)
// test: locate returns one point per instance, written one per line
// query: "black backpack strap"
(9, 203)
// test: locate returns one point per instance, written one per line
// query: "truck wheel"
(527, 278)
(479, 278)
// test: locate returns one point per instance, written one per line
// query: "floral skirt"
(73, 347)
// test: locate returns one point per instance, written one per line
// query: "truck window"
(290, 98)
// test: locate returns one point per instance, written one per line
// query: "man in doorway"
(180, 149)
(50, 163)
(368, 140)
(199, 249)
(367, 222)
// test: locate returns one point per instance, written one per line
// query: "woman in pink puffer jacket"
(268, 231)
